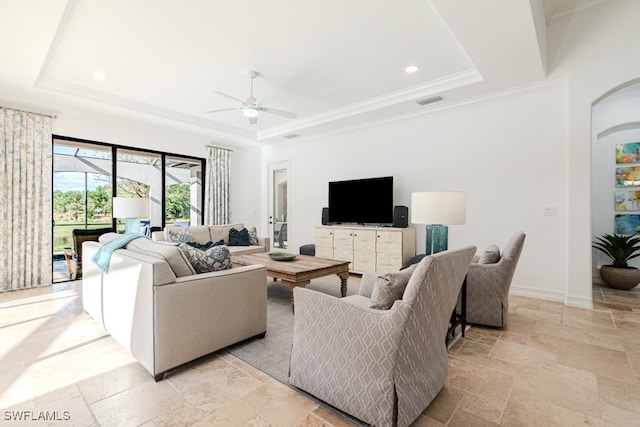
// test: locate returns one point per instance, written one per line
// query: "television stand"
(367, 248)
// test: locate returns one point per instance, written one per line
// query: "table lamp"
(438, 209)
(131, 208)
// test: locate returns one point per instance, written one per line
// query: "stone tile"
(592, 358)
(332, 418)
(139, 404)
(621, 394)
(464, 418)
(523, 410)
(445, 403)
(563, 386)
(565, 417)
(619, 417)
(114, 381)
(279, 404)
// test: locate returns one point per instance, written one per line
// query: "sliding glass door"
(87, 175)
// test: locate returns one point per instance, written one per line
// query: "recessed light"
(412, 69)
(98, 75)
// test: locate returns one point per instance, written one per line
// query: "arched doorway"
(615, 204)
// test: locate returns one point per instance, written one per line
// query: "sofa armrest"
(203, 313)
(157, 236)
(367, 283)
(266, 242)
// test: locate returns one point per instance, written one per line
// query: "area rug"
(271, 354)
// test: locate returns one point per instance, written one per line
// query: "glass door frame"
(279, 219)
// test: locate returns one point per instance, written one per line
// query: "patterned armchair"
(488, 283)
(381, 366)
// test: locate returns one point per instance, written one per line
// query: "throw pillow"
(215, 258)
(390, 287)
(205, 246)
(179, 234)
(491, 255)
(239, 237)
(253, 237)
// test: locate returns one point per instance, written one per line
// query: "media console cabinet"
(368, 249)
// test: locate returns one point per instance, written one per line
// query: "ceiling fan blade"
(253, 120)
(279, 112)
(275, 97)
(220, 110)
(229, 96)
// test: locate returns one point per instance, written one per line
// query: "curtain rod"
(20, 110)
(219, 148)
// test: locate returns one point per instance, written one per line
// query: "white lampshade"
(439, 207)
(130, 207)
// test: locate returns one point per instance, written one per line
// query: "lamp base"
(132, 225)
(437, 238)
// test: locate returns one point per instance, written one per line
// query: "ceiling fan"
(251, 107)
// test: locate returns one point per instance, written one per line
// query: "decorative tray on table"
(281, 256)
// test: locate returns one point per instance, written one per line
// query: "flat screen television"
(361, 201)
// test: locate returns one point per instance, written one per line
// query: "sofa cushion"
(491, 255)
(390, 287)
(205, 246)
(221, 232)
(166, 251)
(239, 237)
(213, 259)
(178, 234)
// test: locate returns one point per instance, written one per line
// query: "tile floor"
(552, 366)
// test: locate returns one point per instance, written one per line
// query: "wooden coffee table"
(299, 271)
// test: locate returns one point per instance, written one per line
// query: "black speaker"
(325, 216)
(400, 216)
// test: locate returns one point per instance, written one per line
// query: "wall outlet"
(550, 211)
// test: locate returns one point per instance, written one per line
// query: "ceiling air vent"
(291, 136)
(431, 100)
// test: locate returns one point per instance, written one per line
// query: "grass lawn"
(62, 233)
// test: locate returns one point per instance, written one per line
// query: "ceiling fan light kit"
(251, 107)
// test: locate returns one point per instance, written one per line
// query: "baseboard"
(545, 294)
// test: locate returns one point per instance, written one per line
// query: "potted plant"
(620, 248)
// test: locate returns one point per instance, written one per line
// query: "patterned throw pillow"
(390, 287)
(213, 259)
(180, 235)
(491, 255)
(253, 237)
(239, 237)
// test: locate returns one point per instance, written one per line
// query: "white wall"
(514, 155)
(508, 153)
(595, 52)
(245, 169)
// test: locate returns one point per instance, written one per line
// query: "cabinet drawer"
(324, 251)
(389, 237)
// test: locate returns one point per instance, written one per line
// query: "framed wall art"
(627, 200)
(628, 176)
(628, 153)
(627, 224)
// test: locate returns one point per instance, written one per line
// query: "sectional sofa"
(151, 302)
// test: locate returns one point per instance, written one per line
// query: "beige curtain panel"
(25, 199)
(217, 183)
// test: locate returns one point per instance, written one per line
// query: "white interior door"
(279, 205)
